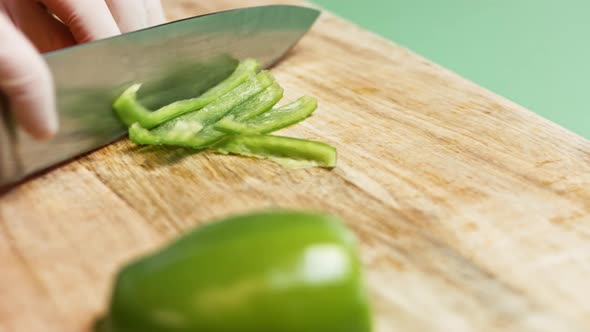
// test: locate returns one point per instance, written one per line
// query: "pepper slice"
(183, 130)
(271, 271)
(256, 105)
(287, 151)
(131, 111)
(270, 121)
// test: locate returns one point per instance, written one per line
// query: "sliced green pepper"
(287, 151)
(183, 130)
(273, 271)
(270, 121)
(131, 111)
(260, 104)
(208, 136)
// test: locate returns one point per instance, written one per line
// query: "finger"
(46, 33)
(132, 15)
(155, 12)
(88, 20)
(27, 82)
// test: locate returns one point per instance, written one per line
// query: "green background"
(534, 52)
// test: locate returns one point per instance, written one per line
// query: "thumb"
(27, 82)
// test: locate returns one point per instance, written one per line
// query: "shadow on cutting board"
(154, 157)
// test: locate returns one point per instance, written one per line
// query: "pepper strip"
(270, 121)
(260, 104)
(287, 151)
(131, 111)
(256, 105)
(183, 130)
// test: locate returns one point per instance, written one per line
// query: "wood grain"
(474, 213)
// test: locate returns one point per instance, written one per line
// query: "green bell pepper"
(240, 105)
(131, 111)
(270, 121)
(272, 271)
(286, 151)
(183, 130)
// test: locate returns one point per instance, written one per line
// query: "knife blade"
(173, 61)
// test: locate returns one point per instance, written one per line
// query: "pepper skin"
(270, 271)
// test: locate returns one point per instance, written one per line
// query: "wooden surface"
(473, 212)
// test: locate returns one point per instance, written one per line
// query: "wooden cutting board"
(474, 213)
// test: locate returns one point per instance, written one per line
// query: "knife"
(177, 60)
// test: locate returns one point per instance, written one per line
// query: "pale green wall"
(535, 52)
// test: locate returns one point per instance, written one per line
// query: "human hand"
(28, 27)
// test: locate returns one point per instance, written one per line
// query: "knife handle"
(11, 169)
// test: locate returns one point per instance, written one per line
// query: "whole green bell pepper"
(273, 271)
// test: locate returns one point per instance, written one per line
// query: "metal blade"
(175, 60)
